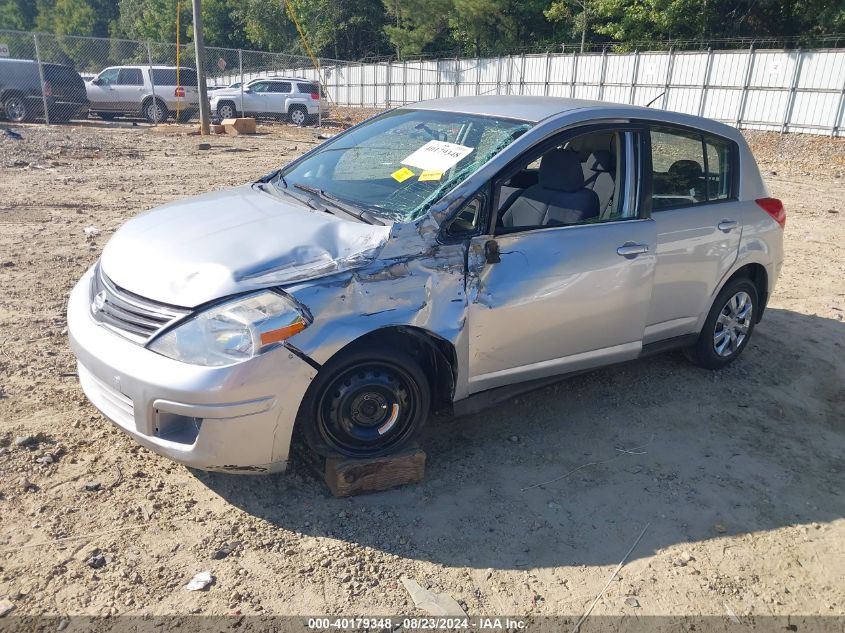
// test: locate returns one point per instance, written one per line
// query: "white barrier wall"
(784, 91)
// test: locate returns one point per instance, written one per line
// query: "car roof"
(154, 67)
(15, 60)
(525, 108)
(280, 79)
(535, 109)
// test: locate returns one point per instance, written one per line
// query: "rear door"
(278, 96)
(129, 89)
(561, 296)
(698, 218)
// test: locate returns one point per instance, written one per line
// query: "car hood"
(225, 92)
(193, 251)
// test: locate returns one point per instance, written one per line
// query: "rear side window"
(689, 168)
(280, 86)
(130, 77)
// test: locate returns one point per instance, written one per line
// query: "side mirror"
(491, 252)
(97, 81)
(247, 89)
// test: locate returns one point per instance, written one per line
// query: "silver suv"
(300, 100)
(438, 256)
(153, 92)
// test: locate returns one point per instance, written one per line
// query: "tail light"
(179, 92)
(315, 96)
(48, 89)
(774, 208)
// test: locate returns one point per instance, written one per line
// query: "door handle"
(727, 225)
(630, 250)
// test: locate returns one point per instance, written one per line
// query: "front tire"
(227, 110)
(365, 403)
(728, 327)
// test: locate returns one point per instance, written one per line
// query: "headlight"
(233, 332)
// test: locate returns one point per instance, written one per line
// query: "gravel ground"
(737, 474)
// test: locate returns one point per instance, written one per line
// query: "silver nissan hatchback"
(442, 255)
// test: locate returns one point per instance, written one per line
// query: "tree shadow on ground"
(697, 454)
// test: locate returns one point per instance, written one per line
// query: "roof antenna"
(648, 105)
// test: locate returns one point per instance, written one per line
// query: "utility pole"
(199, 49)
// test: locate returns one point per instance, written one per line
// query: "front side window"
(399, 163)
(689, 168)
(108, 76)
(580, 181)
(260, 86)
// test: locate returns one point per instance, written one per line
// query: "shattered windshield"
(398, 164)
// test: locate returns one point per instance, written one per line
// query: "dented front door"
(559, 299)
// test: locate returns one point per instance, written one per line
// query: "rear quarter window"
(309, 89)
(167, 77)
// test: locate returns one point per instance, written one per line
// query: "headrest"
(601, 160)
(560, 169)
(686, 169)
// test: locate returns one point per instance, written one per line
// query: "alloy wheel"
(226, 111)
(154, 112)
(733, 324)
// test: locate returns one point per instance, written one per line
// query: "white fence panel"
(764, 89)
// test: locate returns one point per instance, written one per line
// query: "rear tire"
(728, 327)
(365, 403)
(298, 115)
(155, 111)
(15, 109)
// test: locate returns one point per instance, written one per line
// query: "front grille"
(126, 313)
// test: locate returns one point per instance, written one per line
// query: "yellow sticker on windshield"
(430, 175)
(401, 175)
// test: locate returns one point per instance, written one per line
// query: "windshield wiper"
(342, 205)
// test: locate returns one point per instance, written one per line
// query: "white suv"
(300, 100)
(154, 92)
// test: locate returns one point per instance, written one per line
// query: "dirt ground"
(737, 475)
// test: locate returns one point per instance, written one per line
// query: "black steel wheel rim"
(368, 409)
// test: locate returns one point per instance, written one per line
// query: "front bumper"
(232, 419)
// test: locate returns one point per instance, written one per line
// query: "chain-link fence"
(56, 78)
(780, 90)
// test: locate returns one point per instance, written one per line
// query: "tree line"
(358, 29)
